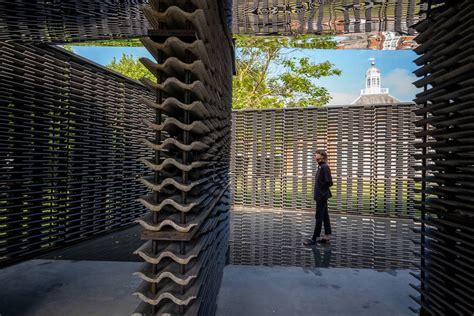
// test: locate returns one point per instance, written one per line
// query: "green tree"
(68, 48)
(130, 67)
(267, 74)
(132, 42)
(269, 77)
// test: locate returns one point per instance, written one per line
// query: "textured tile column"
(187, 228)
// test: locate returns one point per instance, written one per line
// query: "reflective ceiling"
(287, 17)
(356, 24)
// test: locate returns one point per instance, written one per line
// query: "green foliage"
(267, 77)
(130, 67)
(68, 48)
(295, 41)
(134, 42)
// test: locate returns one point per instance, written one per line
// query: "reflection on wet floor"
(322, 257)
(274, 238)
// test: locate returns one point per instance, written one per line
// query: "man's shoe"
(309, 242)
(323, 240)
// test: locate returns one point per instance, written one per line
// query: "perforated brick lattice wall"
(69, 141)
(370, 155)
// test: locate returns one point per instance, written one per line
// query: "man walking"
(322, 183)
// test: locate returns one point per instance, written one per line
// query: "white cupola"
(373, 92)
(373, 81)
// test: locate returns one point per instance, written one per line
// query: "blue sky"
(396, 68)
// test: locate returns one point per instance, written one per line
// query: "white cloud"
(400, 82)
(342, 98)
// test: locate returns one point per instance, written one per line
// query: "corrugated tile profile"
(187, 227)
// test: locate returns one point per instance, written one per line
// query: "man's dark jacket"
(322, 182)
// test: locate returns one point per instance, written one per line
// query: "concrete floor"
(63, 287)
(259, 290)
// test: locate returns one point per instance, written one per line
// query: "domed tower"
(372, 80)
(373, 92)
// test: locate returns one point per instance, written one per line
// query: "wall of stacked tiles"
(187, 227)
(446, 161)
(69, 20)
(370, 152)
(69, 144)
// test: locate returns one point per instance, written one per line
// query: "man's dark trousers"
(322, 215)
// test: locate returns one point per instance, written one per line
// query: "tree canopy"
(131, 67)
(268, 73)
(131, 42)
(269, 76)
